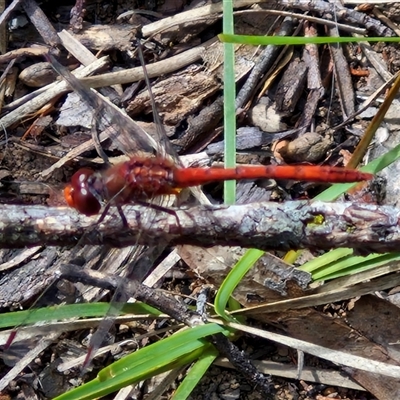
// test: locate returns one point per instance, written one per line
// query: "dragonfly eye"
(79, 193)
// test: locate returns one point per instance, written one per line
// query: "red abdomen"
(184, 177)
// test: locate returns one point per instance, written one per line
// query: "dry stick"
(24, 52)
(4, 15)
(209, 10)
(382, 17)
(77, 13)
(240, 361)
(314, 81)
(342, 76)
(41, 23)
(76, 48)
(328, 377)
(375, 60)
(206, 11)
(266, 226)
(196, 13)
(163, 67)
(362, 146)
(367, 102)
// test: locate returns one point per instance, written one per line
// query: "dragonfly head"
(80, 194)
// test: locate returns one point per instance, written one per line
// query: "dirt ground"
(292, 114)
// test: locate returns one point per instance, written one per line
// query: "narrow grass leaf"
(233, 279)
(195, 374)
(229, 103)
(55, 313)
(298, 40)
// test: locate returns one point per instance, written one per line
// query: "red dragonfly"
(141, 178)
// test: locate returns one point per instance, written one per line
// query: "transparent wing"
(126, 133)
(130, 138)
(165, 144)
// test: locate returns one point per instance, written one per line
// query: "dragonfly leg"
(97, 145)
(120, 212)
(123, 218)
(104, 213)
(157, 207)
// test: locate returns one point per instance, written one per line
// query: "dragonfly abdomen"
(185, 177)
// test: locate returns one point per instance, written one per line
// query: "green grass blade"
(196, 372)
(296, 40)
(96, 389)
(233, 279)
(229, 103)
(325, 259)
(353, 265)
(55, 313)
(175, 345)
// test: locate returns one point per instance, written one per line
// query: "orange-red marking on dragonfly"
(141, 178)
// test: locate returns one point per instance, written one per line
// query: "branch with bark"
(266, 226)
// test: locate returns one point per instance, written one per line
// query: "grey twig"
(267, 226)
